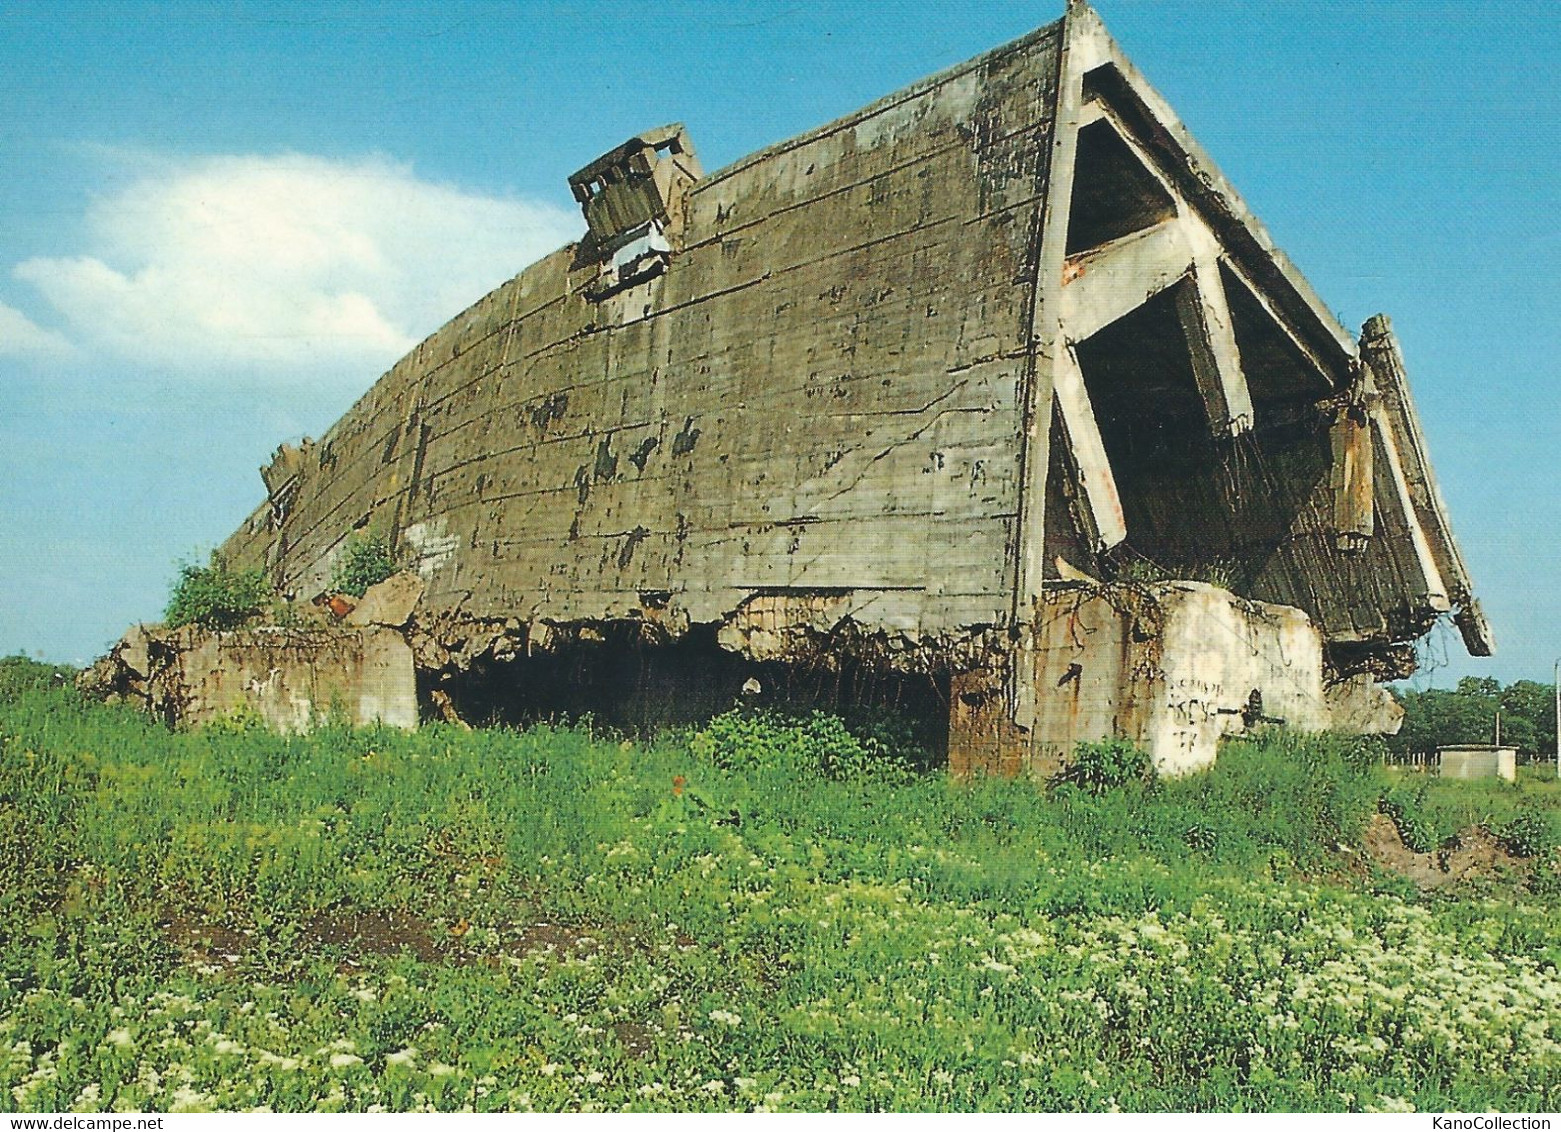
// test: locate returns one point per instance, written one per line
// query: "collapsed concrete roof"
(894, 382)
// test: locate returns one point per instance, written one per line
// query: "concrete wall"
(821, 394)
(292, 678)
(1171, 666)
(1477, 762)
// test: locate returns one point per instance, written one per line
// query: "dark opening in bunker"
(1113, 193)
(628, 683)
(1198, 506)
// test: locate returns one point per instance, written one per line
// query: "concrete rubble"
(293, 679)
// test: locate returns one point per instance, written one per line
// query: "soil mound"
(1473, 855)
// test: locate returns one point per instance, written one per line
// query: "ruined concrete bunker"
(993, 390)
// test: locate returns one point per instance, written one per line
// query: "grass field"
(1448, 805)
(758, 915)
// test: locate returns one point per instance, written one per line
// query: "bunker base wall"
(290, 679)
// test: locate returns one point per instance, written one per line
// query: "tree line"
(1438, 717)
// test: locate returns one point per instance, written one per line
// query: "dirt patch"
(637, 1039)
(204, 943)
(560, 939)
(1475, 854)
(359, 936)
(364, 935)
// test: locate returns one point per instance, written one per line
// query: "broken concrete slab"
(389, 603)
(1173, 666)
(134, 652)
(1361, 706)
(293, 679)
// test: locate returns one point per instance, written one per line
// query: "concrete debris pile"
(293, 677)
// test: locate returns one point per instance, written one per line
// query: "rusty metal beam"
(1353, 480)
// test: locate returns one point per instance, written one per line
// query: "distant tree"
(1479, 686)
(1529, 715)
(1437, 717)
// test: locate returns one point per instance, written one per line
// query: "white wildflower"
(186, 1099)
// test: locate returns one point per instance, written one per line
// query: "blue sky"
(220, 223)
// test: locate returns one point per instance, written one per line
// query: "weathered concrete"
(1360, 706)
(293, 679)
(389, 603)
(860, 393)
(1172, 666)
(1477, 761)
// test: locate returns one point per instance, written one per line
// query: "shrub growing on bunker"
(216, 597)
(1107, 765)
(365, 561)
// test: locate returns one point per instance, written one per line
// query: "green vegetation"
(366, 560)
(555, 919)
(1430, 810)
(1101, 767)
(1467, 714)
(216, 597)
(812, 745)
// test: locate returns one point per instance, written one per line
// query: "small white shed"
(1477, 760)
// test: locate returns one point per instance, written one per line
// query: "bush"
(1099, 767)
(1406, 808)
(215, 597)
(20, 674)
(1277, 792)
(365, 561)
(1201, 835)
(816, 744)
(1529, 834)
(1545, 879)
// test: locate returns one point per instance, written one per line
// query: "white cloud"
(21, 337)
(292, 263)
